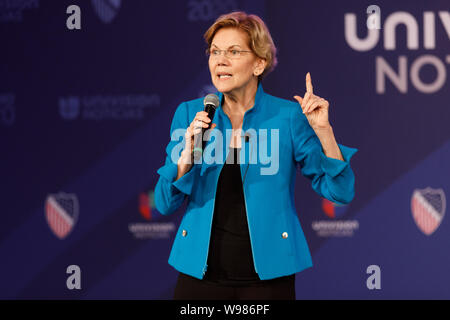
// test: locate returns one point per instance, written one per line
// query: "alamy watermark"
(374, 280)
(74, 280)
(374, 17)
(73, 21)
(258, 146)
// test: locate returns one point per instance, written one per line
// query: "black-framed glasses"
(229, 53)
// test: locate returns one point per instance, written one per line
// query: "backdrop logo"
(146, 205)
(7, 109)
(106, 10)
(206, 89)
(107, 107)
(335, 227)
(333, 210)
(69, 108)
(12, 11)
(150, 229)
(204, 10)
(410, 65)
(428, 209)
(61, 212)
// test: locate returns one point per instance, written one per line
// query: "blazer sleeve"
(170, 194)
(331, 178)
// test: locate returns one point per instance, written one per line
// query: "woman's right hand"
(186, 160)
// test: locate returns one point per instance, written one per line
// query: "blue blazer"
(278, 244)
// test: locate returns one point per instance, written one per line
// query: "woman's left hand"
(314, 107)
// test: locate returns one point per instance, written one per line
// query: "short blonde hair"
(260, 40)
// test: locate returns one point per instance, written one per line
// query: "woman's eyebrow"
(234, 45)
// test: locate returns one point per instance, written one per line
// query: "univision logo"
(151, 229)
(106, 9)
(69, 108)
(146, 204)
(332, 209)
(12, 11)
(108, 107)
(419, 27)
(335, 227)
(206, 89)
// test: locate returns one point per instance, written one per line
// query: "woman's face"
(232, 73)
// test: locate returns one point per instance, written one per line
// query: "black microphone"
(211, 102)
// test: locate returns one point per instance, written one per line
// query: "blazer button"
(184, 233)
(284, 235)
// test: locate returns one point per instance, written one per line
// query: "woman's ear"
(260, 66)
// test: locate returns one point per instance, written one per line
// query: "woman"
(240, 237)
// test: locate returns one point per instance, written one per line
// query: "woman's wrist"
(184, 164)
(329, 145)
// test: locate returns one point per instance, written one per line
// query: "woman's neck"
(237, 102)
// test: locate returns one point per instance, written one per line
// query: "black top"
(230, 259)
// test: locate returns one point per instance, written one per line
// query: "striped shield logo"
(428, 209)
(61, 212)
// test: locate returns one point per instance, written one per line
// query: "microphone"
(211, 102)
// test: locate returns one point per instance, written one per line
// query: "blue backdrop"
(85, 117)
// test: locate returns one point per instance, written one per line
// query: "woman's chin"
(223, 87)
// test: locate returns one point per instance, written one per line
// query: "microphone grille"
(211, 99)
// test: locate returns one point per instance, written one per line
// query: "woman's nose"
(222, 60)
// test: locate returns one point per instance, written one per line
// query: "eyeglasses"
(229, 53)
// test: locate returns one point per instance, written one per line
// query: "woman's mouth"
(224, 76)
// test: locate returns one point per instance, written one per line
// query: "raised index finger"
(309, 87)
